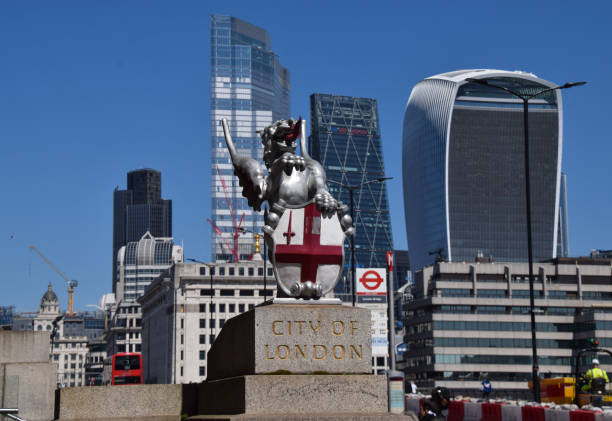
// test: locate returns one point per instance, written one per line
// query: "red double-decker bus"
(127, 368)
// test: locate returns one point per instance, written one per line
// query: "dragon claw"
(326, 204)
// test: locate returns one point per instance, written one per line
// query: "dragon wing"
(250, 173)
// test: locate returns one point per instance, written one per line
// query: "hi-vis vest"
(595, 373)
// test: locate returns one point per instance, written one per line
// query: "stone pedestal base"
(309, 417)
(295, 394)
(293, 339)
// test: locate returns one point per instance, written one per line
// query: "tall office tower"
(345, 139)
(250, 89)
(138, 210)
(563, 230)
(464, 168)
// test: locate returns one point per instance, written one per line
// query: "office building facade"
(463, 168)
(250, 89)
(470, 321)
(185, 309)
(139, 209)
(140, 262)
(345, 139)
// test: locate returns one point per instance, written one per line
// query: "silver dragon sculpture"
(292, 180)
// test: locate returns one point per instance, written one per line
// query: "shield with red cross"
(307, 248)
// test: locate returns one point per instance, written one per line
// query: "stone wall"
(20, 347)
(27, 378)
(147, 401)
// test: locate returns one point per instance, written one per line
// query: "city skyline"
(92, 91)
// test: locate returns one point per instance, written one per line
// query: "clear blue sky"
(92, 89)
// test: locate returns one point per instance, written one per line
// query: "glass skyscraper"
(250, 89)
(563, 234)
(345, 139)
(139, 209)
(463, 168)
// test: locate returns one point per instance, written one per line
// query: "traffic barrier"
(472, 411)
(413, 403)
(455, 411)
(533, 413)
(499, 411)
(512, 413)
(581, 415)
(491, 411)
(557, 415)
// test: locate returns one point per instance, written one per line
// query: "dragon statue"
(292, 181)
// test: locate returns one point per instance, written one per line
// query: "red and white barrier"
(512, 413)
(557, 415)
(533, 413)
(472, 411)
(500, 411)
(491, 411)
(456, 411)
(580, 415)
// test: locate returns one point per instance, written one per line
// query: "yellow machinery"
(559, 390)
(71, 283)
(562, 390)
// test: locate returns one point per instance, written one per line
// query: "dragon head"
(279, 138)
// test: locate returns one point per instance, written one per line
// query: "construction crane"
(235, 226)
(71, 283)
(225, 242)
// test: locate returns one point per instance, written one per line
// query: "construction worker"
(595, 373)
(597, 379)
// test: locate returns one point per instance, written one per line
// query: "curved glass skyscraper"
(463, 168)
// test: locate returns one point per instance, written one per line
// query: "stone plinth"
(293, 339)
(351, 416)
(295, 394)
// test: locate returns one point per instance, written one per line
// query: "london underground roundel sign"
(371, 281)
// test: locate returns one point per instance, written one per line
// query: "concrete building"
(184, 309)
(70, 349)
(140, 262)
(139, 209)
(249, 88)
(71, 342)
(345, 138)
(467, 321)
(6, 317)
(464, 167)
(124, 328)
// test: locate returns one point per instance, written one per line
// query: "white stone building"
(69, 346)
(184, 310)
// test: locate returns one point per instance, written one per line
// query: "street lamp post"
(525, 98)
(351, 189)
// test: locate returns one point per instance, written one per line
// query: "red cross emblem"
(311, 253)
